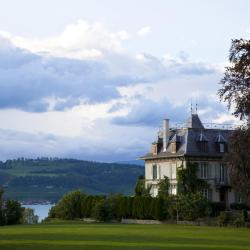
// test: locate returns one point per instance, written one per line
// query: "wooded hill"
(47, 179)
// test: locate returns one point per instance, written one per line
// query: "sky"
(94, 79)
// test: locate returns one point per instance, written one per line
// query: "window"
(173, 171)
(173, 189)
(203, 170)
(205, 193)
(203, 146)
(222, 172)
(173, 147)
(154, 172)
(222, 147)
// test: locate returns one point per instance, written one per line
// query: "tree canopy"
(238, 161)
(235, 88)
(236, 92)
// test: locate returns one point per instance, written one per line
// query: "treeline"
(59, 176)
(188, 205)
(77, 205)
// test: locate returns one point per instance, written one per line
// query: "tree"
(188, 181)
(236, 92)
(140, 187)
(192, 206)
(69, 207)
(236, 81)
(163, 187)
(99, 211)
(238, 161)
(29, 216)
(13, 212)
(2, 219)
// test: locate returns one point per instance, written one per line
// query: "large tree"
(235, 88)
(238, 161)
(235, 91)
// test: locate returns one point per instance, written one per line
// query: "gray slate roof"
(188, 138)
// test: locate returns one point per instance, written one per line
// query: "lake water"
(40, 210)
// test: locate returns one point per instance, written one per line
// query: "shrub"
(239, 206)
(192, 206)
(69, 207)
(99, 211)
(223, 219)
(216, 208)
(239, 221)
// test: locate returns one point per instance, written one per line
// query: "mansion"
(193, 142)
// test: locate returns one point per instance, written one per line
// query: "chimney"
(165, 134)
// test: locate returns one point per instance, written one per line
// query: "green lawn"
(116, 236)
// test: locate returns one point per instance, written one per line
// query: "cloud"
(81, 94)
(148, 112)
(106, 144)
(144, 31)
(38, 82)
(30, 82)
(79, 40)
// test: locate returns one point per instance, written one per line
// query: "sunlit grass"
(116, 236)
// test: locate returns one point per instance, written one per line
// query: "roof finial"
(196, 108)
(191, 107)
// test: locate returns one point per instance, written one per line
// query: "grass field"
(73, 236)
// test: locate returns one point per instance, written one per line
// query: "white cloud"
(81, 91)
(144, 31)
(79, 40)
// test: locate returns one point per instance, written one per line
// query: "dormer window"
(203, 146)
(222, 147)
(175, 143)
(173, 147)
(220, 144)
(202, 142)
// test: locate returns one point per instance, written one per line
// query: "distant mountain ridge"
(132, 162)
(47, 179)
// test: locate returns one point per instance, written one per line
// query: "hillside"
(44, 179)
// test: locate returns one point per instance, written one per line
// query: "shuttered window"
(222, 172)
(203, 170)
(154, 172)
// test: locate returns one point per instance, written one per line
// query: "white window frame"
(205, 193)
(222, 148)
(222, 172)
(154, 172)
(203, 170)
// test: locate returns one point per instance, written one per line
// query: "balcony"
(222, 183)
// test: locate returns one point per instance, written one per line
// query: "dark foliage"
(11, 211)
(140, 187)
(192, 206)
(238, 161)
(236, 82)
(239, 206)
(216, 208)
(188, 181)
(77, 205)
(163, 187)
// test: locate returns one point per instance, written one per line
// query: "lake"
(40, 210)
